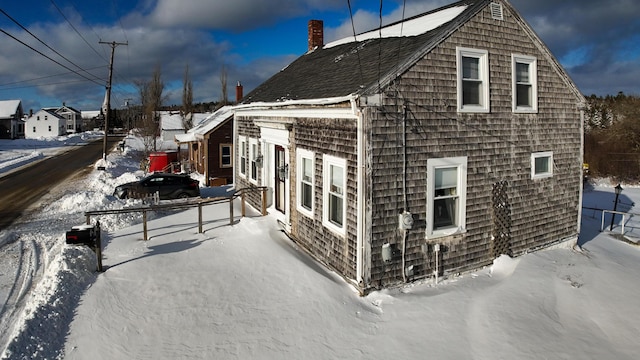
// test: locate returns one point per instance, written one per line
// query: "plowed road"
(23, 188)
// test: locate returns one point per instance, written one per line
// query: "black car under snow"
(168, 186)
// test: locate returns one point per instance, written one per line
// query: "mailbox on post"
(87, 235)
(82, 235)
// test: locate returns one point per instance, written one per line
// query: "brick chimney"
(238, 92)
(316, 34)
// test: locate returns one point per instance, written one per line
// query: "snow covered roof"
(8, 108)
(90, 114)
(371, 60)
(207, 124)
(411, 27)
(48, 111)
(170, 120)
(62, 109)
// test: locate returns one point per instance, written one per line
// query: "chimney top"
(239, 94)
(316, 34)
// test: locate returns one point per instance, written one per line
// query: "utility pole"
(113, 45)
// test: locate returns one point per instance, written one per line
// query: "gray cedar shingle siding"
(506, 211)
(335, 137)
(246, 128)
(498, 146)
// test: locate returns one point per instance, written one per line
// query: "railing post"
(144, 224)
(88, 219)
(264, 201)
(199, 218)
(99, 245)
(243, 201)
(231, 210)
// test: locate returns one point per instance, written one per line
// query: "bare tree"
(223, 83)
(186, 112)
(151, 99)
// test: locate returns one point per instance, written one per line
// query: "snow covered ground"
(246, 292)
(21, 152)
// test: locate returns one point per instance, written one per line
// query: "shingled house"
(428, 147)
(210, 147)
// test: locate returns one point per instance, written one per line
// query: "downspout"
(235, 151)
(581, 107)
(360, 174)
(404, 188)
(206, 159)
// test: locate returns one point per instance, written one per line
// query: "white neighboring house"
(45, 123)
(11, 123)
(72, 116)
(171, 123)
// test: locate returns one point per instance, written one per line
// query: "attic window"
(496, 11)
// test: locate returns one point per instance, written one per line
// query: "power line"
(355, 38)
(43, 77)
(39, 85)
(45, 44)
(404, 7)
(380, 43)
(44, 55)
(76, 30)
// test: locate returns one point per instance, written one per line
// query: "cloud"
(171, 49)
(596, 41)
(236, 15)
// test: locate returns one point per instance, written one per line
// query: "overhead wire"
(380, 44)
(46, 45)
(104, 55)
(39, 85)
(44, 77)
(76, 30)
(355, 38)
(46, 56)
(124, 33)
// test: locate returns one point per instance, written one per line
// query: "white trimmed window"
(473, 80)
(242, 155)
(334, 176)
(541, 165)
(446, 196)
(305, 170)
(225, 155)
(253, 157)
(524, 83)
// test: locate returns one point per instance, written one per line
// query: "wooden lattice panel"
(501, 219)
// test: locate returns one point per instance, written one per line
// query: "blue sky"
(598, 43)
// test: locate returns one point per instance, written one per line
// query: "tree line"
(612, 136)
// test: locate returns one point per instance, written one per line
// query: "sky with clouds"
(598, 43)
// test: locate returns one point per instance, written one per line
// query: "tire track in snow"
(27, 273)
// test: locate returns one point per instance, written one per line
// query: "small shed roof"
(207, 124)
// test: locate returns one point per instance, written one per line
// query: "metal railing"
(613, 213)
